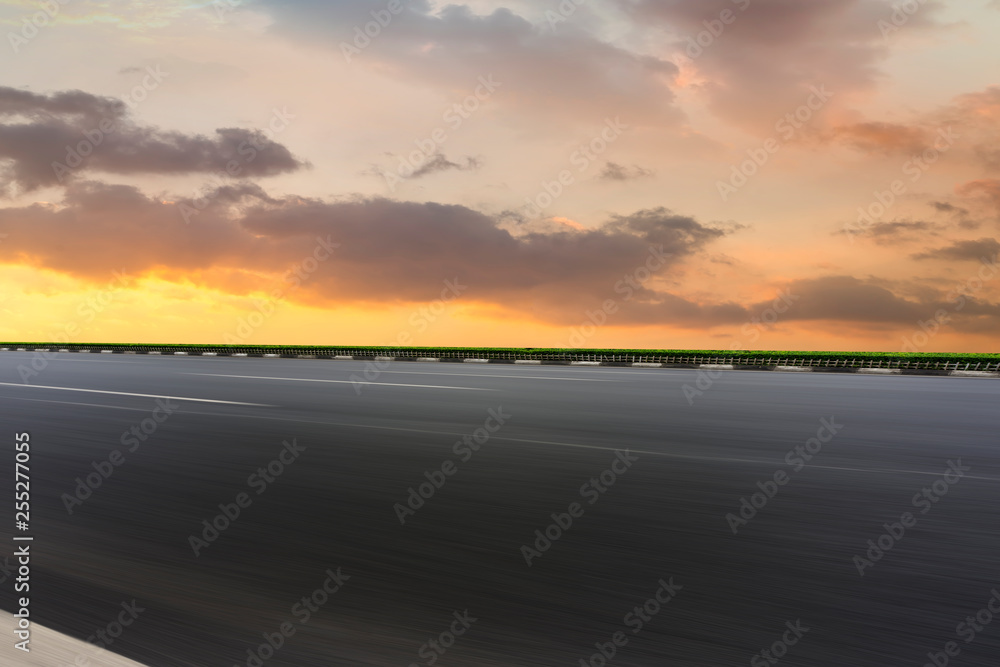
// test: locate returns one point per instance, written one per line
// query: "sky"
(683, 174)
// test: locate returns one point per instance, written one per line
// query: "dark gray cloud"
(392, 252)
(438, 163)
(616, 172)
(985, 248)
(898, 227)
(850, 299)
(945, 207)
(897, 231)
(51, 139)
(838, 300)
(75, 103)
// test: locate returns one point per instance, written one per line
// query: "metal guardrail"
(825, 361)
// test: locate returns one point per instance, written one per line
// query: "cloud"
(615, 172)
(393, 252)
(945, 207)
(852, 301)
(762, 64)
(985, 248)
(891, 232)
(888, 233)
(568, 73)
(438, 163)
(888, 138)
(76, 103)
(49, 139)
(988, 188)
(971, 119)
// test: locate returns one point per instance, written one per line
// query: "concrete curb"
(53, 649)
(973, 374)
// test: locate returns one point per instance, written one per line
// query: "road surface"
(657, 561)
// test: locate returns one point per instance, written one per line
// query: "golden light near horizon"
(687, 163)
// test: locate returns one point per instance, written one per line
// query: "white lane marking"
(901, 472)
(377, 384)
(88, 405)
(126, 393)
(671, 455)
(87, 361)
(524, 377)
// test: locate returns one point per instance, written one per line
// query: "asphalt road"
(657, 525)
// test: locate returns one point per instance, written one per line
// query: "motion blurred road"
(786, 582)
